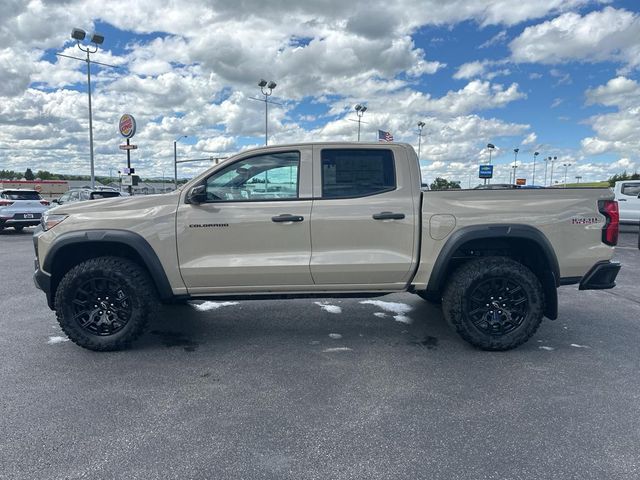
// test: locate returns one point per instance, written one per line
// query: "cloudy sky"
(555, 76)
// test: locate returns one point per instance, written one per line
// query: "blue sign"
(486, 171)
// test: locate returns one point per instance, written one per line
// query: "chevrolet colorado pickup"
(325, 220)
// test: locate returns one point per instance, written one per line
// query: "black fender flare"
(551, 276)
(124, 237)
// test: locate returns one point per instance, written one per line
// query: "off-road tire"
(473, 278)
(103, 273)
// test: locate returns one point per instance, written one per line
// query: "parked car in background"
(21, 208)
(628, 196)
(83, 194)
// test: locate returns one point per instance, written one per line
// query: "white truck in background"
(627, 194)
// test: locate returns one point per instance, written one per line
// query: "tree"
(619, 177)
(443, 184)
(28, 175)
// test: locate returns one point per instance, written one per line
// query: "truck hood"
(123, 204)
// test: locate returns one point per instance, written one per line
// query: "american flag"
(384, 136)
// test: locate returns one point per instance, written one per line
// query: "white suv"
(21, 208)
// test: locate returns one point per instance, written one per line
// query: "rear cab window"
(18, 195)
(349, 173)
(630, 189)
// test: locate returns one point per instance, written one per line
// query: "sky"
(559, 77)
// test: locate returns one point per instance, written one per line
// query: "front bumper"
(40, 278)
(601, 276)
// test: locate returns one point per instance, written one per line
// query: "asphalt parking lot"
(307, 389)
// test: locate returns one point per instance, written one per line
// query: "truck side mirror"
(55, 200)
(197, 194)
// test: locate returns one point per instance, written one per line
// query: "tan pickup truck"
(325, 220)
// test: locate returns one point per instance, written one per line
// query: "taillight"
(44, 202)
(609, 208)
(5, 203)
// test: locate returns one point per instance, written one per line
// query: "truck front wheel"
(494, 303)
(104, 303)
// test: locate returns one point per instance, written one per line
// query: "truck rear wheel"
(494, 303)
(104, 303)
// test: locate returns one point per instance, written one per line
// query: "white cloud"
(618, 131)
(530, 139)
(496, 39)
(608, 34)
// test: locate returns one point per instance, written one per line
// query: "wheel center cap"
(104, 305)
(496, 305)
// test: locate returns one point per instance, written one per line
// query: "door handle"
(388, 216)
(287, 218)
(622, 200)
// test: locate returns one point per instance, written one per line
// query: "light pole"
(267, 93)
(515, 163)
(175, 160)
(546, 163)
(552, 162)
(535, 154)
(360, 109)
(566, 167)
(490, 146)
(421, 125)
(96, 39)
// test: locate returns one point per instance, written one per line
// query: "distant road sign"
(129, 171)
(485, 171)
(128, 147)
(127, 180)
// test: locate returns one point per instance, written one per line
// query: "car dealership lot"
(320, 389)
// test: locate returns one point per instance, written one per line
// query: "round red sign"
(127, 125)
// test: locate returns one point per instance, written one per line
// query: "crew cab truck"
(325, 220)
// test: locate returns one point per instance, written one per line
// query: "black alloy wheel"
(101, 306)
(497, 306)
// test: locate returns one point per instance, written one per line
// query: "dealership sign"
(485, 171)
(127, 125)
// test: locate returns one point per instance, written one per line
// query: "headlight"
(50, 220)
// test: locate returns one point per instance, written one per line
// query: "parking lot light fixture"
(535, 154)
(566, 167)
(421, 125)
(96, 39)
(267, 90)
(360, 109)
(515, 163)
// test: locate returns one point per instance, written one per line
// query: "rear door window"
(357, 172)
